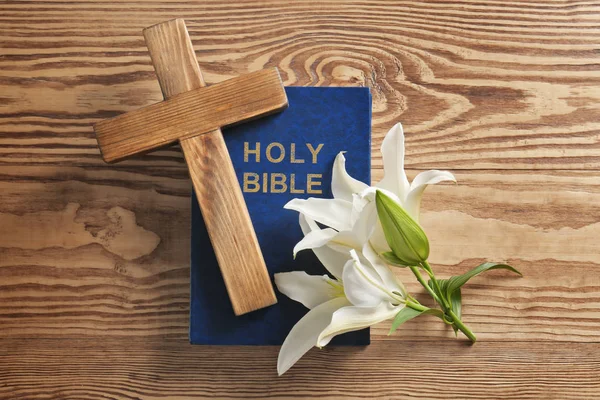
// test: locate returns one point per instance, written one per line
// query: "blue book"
(277, 158)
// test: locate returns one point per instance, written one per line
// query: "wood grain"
(73, 286)
(158, 369)
(217, 189)
(191, 114)
(236, 245)
(503, 93)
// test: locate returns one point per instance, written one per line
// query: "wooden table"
(94, 258)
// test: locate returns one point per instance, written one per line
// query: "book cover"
(283, 156)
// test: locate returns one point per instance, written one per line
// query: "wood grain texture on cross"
(193, 115)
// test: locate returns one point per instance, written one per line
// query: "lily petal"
(358, 204)
(305, 333)
(377, 239)
(353, 318)
(412, 204)
(342, 242)
(335, 213)
(332, 260)
(392, 150)
(345, 241)
(316, 238)
(369, 194)
(388, 277)
(342, 184)
(365, 223)
(310, 290)
(361, 286)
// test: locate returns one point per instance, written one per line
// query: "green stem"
(436, 284)
(463, 328)
(445, 306)
(419, 277)
(416, 306)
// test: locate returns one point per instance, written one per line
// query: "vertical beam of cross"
(216, 185)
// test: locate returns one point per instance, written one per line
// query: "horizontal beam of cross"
(190, 114)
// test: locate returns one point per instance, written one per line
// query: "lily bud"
(402, 233)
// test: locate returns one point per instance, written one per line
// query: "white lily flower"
(365, 292)
(351, 215)
(340, 214)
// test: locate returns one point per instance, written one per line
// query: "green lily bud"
(403, 234)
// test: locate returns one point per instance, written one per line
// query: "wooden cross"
(193, 115)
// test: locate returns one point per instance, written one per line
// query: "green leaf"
(456, 282)
(390, 258)
(404, 315)
(432, 286)
(456, 304)
(443, 285)
(408, 313)
(451, 293)
(402, 233)
(454, 298)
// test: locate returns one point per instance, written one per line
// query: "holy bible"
(277, 158)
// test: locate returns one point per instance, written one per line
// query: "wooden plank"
(155, 369)
(478, 86)
(66, 272)
(211, 170)
(191, 113)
